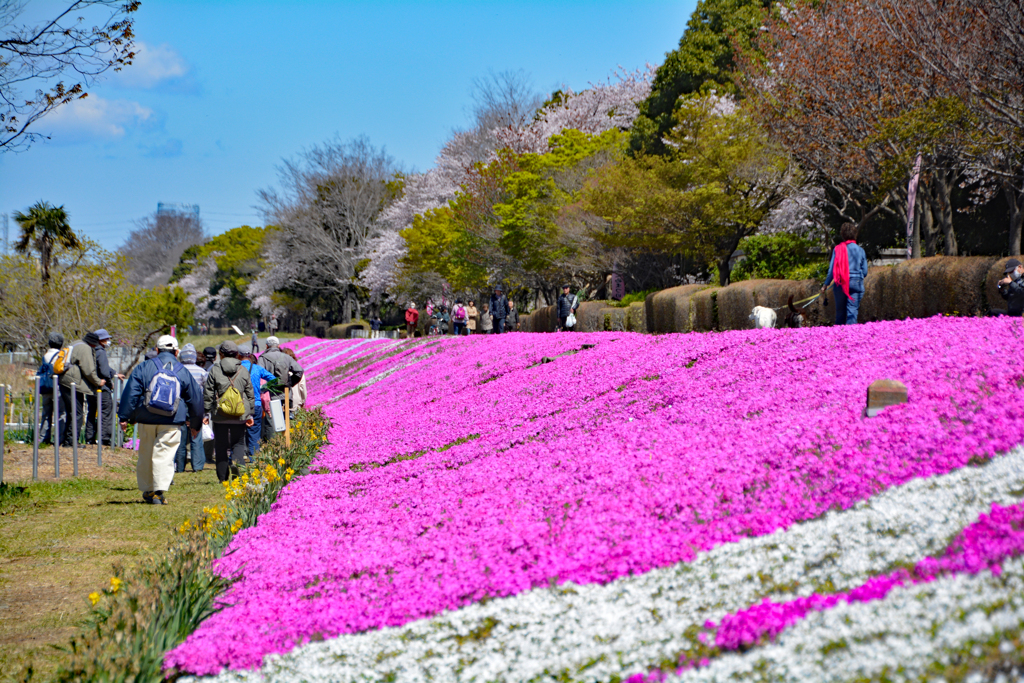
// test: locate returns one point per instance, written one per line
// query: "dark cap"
(228, 348)
(55, 340)
(210, 352)
(1011, 265)
(566, 286)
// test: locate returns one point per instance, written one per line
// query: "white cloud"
(153, 65)
(94, 117)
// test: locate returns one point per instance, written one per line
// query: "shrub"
(782, 256)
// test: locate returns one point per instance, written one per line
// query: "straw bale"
(637, 320)
(589, 316)
(615, 318)
(703, 310)
(736, 301)
(669, 309)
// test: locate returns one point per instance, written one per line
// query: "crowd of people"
(495, 316)
(186, 408)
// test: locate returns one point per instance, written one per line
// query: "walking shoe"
(158, 498)
(147, 497)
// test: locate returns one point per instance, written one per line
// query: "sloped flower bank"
(553, 468)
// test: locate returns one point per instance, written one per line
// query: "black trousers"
(66, 417)
(108, 418)
(229, 447)
(46, 414)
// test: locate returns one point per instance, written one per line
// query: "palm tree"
(41, 228)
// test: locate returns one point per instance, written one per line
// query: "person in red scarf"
(846, 272)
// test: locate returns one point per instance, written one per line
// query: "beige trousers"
(158, 444)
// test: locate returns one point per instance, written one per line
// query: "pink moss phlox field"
(464, 468)
(982, 545)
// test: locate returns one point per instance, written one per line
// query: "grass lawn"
(60, 538)
(201, 341)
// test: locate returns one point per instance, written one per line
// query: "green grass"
(60, 541)
(201, 341)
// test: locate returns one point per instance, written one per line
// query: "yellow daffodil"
(94, 597)
(115, 584)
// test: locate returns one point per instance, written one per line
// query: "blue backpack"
(45, 373)
(164, 390)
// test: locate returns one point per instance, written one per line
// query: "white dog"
(763, 317)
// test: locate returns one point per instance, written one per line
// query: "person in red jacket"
(412, 316)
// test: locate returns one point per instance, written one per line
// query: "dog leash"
(806, 302)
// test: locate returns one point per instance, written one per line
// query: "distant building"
(169, 209)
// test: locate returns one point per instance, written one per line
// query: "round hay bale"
(614, 318)
(637, 320)
(589, 316)
(669, 309)
(704, 310)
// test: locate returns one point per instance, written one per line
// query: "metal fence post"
(55, 433)
(100, 424)
(35, 431)
(74, 425)
(3, 428)
(115, 399)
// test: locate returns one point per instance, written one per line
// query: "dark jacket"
(133, 399)
(567, 303)
(1013, 292)
(81, 369)
(228, 372)
(284, 367)
(499, 306)
(103, 368)
(513, 317)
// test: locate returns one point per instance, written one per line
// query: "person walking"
(48, 390)
(160, 397)
(846, 272)
(258, 375)
(93, 403)
(486, 321)
(284, 367)
(299, 390)
(209, 358)
(80, 370)
(471, 317)
(272, 325)
(512, 320)
(255, 341)
(191, 444)
(459, 318)
(228, 399)
(567, 305)
(412, 317)
(499, 310)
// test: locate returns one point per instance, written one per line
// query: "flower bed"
(464, 469)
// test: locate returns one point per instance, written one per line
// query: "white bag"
(571, 320)
(207, 432)
(276, 415)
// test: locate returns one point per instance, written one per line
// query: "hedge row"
(919, 288)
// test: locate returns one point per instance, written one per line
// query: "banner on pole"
(915, 179)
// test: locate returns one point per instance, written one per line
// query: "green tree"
(42, 228)
(716, 185)
(704, 61)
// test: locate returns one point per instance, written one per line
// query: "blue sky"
(222, 91)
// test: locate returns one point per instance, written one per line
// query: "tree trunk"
(941, 188)
(931, 234)
(1015, 199)
(917, 227)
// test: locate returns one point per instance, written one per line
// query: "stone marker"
(884, 393)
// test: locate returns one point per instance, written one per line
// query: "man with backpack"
(459, 318)
(257, 375)
(76, 365)
(229, 399)
(160, 396)
(47, 391)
